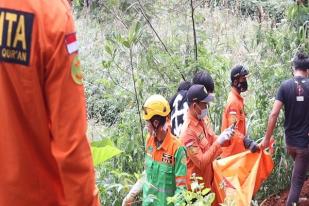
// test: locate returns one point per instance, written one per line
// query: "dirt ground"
(280, 199)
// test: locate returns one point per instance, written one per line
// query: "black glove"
(251, 144)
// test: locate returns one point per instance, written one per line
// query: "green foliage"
(273, 9)
(117, 42)
(198, 196)
(113, 184)
(102, 154)
(298, 15)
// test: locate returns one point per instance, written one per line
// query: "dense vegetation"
(131, 49)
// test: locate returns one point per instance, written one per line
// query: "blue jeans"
(300, 167)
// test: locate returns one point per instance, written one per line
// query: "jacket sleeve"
(201, 159)
(65, 102)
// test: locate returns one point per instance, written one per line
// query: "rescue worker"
(234, 114)
(179, 104)
(202, 145)
(293, 95)
(44, 152)
(165, 160)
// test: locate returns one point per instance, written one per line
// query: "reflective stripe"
(163, 190)
(181, 182)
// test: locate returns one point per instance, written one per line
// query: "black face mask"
(242, 86)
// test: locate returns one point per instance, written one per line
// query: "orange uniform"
(234, 112)
(202, 148)
(44, 153)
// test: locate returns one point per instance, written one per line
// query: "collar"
(166, 142)
(192, 119)
(235, 93)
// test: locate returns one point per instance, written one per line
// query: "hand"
(250, 144)
(264, 144)
(225, 135)
(128, 200)
(254, 147)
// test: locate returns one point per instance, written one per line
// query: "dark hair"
(161, 119)
(204, 78)
(184, 85)
(301, 61)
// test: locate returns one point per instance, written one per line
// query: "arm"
(135, 190)
(199, 158)
(272, 120)
(65, 103)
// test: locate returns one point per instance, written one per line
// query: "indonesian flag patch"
(71, 43)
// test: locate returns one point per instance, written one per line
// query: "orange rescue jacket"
(202, 148)
(44, 153)
(234, 112)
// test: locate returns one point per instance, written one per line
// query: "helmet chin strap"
(154, 132)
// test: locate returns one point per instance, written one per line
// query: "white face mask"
(203, 114)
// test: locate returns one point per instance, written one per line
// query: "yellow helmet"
(155, 105)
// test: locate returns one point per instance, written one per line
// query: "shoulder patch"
(76, 72)
(184, 160)
(193, 150)
(71, 43)
(189, 144)
(15, 36)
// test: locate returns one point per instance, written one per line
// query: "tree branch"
(141, 43)
(159, 38)
(194, 31)
(136, 97)
(116, 82)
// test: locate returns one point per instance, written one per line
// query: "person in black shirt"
(293, 95)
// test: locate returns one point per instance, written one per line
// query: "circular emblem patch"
(184, 160)
(76, 72)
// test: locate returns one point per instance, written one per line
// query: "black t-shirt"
(179, 108)
(294, 94)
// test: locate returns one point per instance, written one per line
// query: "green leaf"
(102, 154)
(126, 43)
(109, 47)
(134, 33)
(102, 143)
(106, 64)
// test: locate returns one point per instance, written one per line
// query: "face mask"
(203, 114)
(242, 86)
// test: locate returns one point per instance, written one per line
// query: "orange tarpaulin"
(238, 177)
